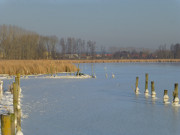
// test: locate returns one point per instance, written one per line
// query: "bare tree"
(91, 48)
(63, 47)
(175, 49)
(103, 51)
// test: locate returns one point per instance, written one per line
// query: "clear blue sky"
(123, 23)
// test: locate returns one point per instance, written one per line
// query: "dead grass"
(29, 67)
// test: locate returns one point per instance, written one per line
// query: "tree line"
(161, 53)
(78, 47)
(18, 43)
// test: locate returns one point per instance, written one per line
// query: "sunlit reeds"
(29, 67)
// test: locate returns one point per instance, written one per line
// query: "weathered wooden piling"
(17, 81)
(136, 88)
(153, 93)
(6, 128)
(15, 95)
(78, 70)
(15, 101)
(18, 119)
(137, 79)
(175, 94)
(12, 124)
(166, 97)
(16, 104)
(146, 92)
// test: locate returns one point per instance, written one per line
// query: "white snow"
(19, 133)
(6, 103)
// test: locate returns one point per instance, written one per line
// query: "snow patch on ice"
(6, 103)
(167, 102)
(19, 133)
(74, 77)
(178, 105)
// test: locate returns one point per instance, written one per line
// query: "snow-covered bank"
(66, 77)
(6, 103)
(50, 76)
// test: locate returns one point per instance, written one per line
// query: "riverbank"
(30, 67)
(123, 60)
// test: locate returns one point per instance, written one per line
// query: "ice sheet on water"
(100, 106)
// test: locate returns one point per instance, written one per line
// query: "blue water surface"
(102, 106)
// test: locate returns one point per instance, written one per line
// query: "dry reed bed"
(125, 60)
(30, 67)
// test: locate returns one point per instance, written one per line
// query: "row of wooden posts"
(153, 93)
(11, 122)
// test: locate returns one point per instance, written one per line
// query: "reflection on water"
(176, 111)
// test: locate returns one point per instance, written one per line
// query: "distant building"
(71, 56)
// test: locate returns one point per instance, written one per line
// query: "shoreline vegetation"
(123, 60)
(33, 67)
(20, 44)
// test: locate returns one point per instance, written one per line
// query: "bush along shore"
(33, 67)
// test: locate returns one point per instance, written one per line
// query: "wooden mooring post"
(153, 93)
(166, 97)
(17, 81)
(7, 124)
(15, 100)
(18, 120)
(136, 87)
(78, 70)
(16, 104)
(11, 123)
(146, 92)
(175, 94)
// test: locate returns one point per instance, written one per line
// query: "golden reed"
(29, 67)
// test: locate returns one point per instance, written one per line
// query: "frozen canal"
(102, 106)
